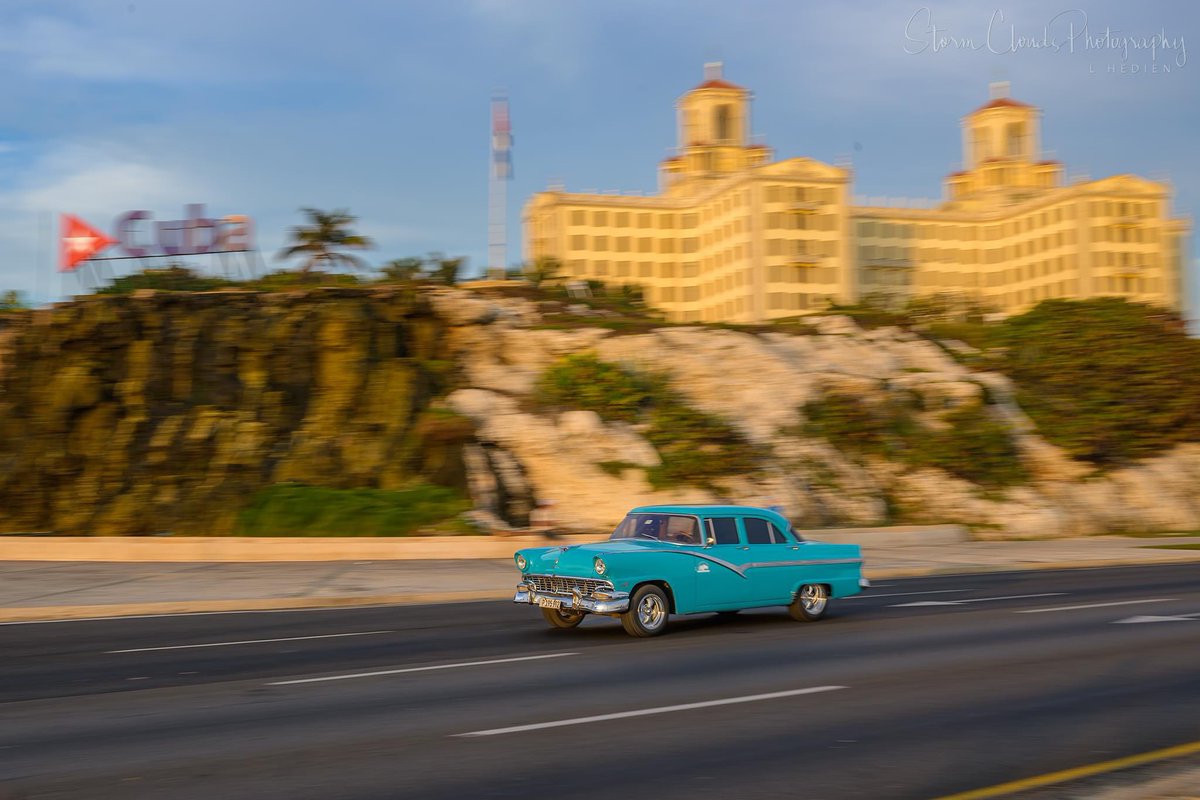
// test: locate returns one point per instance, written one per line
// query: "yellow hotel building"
(735, 236)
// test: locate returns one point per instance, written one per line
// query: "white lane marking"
(974, 600)
(868, 595)
(1179, 618)
(247, 641)
(418, 669)
(645, 712)
(116, 617)
(1095, 605)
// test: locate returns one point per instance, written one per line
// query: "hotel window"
(687, 221)
(645, 245)
(690, 245)
(577, 218)
(600, 243)
(599, 218)
(600, 267)
(622, 244)
(622, 269)
(666, 269)
(621, 219)
(643, 220)
(645, 269)
(666, 221)
(773, 194)
(691, 294)
(578, 242)
(666, 245)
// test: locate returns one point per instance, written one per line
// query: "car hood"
(577, 559)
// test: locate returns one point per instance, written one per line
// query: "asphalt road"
(918, 689)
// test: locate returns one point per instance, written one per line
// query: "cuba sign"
(138, 235)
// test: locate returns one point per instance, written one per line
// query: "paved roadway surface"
(920, 688)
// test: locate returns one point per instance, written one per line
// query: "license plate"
(549, 602)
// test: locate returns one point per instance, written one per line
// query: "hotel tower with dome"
(735, 236)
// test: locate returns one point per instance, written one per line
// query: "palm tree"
(320, 241)
(403, 270)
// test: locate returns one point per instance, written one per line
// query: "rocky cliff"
(140, 414)
(165, 412)
(760, 383)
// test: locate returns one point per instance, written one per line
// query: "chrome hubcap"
(651, 612)
(813, 599)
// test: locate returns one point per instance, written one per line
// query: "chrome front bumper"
(609, 603)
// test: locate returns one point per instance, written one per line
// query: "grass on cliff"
(296, 510)
(975, 446)
(696, 449)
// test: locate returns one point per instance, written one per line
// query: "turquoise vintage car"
(681, 559)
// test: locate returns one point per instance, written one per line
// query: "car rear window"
(760, 531)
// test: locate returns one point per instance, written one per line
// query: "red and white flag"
(80, 241)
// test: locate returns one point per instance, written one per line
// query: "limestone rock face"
(759, 383)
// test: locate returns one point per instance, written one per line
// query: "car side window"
(723, 530)
(778, 536)
(758, 531)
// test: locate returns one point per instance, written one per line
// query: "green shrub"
(296, 510)
(975, 447)
(174, 278)
(1107, 380)
(585, 382)
(616, 468)
(695, 448)
(178, 278)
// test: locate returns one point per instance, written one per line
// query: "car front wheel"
(648, 611)
(810, 603)
(559, 618)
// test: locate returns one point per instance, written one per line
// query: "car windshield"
(673, 528)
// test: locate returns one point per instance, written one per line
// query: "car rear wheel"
(559, 618)
(648, 612)
(810, 603)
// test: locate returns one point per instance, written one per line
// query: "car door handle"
(744, 547)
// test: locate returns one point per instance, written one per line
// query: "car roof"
(706, 509)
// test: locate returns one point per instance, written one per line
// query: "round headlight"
(601, 568)
(521, 562)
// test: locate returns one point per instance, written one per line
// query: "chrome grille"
(565, 584)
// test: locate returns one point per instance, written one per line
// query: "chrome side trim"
(805, 563)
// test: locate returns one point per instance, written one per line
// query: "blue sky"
(264, 106)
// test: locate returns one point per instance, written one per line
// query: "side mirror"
(710, 541)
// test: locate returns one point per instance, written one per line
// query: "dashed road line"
(1095, 605)
(645, 712)
(246, 641)
(431, 668)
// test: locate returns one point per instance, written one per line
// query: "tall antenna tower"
(501, 174)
